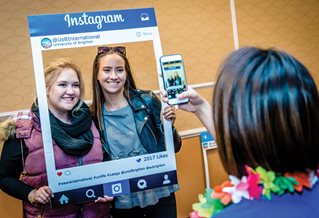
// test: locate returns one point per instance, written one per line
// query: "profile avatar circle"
(46, 43)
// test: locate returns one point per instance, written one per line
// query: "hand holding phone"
(174, 77)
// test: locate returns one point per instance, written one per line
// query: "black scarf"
(75, 139)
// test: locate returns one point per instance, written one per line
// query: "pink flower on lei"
(194, 214)
(253, 179)
(239, 189)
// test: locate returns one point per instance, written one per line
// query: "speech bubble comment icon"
(141, 184)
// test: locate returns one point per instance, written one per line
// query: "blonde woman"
(76, 141)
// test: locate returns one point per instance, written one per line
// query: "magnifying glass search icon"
(90, 193)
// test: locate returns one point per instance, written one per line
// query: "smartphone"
(174, 77)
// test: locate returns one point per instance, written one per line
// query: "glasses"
(106, 49)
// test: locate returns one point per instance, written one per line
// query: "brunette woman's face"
(64, 93)
(112, 74)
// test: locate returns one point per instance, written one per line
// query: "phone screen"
(174, 79)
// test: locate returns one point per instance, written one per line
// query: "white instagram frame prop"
(62, 31)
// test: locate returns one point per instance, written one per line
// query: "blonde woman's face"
(64, 93)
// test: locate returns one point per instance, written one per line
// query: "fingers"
(48, 190)
(164, 96)
(169, 113)
(170, 116)
(169, 110)
(42, 195)
(190, 93)
(186, 94)
(104, 199)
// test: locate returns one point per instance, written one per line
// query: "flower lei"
(258, 183)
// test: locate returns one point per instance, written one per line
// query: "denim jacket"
(146, 108)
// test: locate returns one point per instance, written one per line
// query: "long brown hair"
(98, 97)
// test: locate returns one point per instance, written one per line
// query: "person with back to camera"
(130, 122)
(76, 141)
(265, 119)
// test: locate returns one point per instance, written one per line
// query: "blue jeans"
(165, 208)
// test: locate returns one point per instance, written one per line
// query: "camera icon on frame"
(116, 188)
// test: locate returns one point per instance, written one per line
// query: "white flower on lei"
(239, 189)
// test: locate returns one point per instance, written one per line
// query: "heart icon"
(59, 173)
(138, 160)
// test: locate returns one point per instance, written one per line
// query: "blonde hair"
(54, 69)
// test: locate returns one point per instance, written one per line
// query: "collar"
(135, 100)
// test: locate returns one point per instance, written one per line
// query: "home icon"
(64, 200)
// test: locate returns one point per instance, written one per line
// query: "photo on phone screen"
(174, 78)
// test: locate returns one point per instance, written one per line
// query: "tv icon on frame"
(116, 188)
(145, 17)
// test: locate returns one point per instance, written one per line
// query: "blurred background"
(201, 31)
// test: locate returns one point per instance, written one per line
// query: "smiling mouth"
(68, 99)
(113, 82)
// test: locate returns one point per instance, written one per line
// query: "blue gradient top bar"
(68, 23)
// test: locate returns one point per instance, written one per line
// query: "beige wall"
(199, 30)
(191, 175)
(288, 24)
